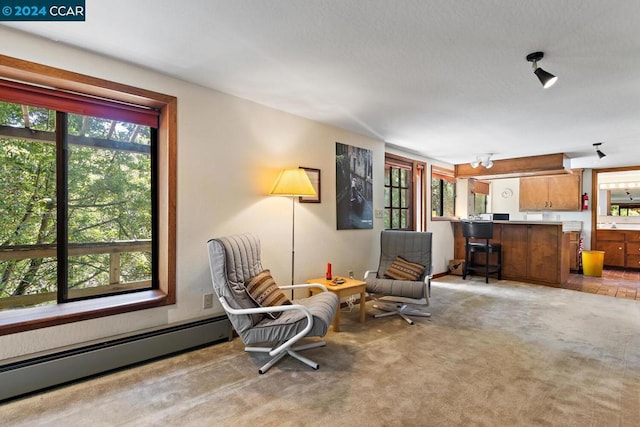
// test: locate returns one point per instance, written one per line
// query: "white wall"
(229, 152)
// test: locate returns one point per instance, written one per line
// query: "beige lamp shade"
(293, 182)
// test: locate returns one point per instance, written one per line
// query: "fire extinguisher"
(585, 202)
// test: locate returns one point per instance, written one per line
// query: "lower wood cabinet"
(515, 248)
(612, 242)
(632, 255)
(621, 247)
(545, 247)
(574, 250)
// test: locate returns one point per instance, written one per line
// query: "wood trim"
(442, 173)
(481, 187)
(594, 199)
(59, 100)
(33, 318)
(34, 73)
(23, 320)
(167, 247)
(548, 164)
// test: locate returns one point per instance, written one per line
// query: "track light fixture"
(547, 79)
(598, 152)
(484, 160)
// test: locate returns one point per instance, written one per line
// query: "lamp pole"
(293, 240)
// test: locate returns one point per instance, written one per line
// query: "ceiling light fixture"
(547, 79)
(598, 152)
(484, 160)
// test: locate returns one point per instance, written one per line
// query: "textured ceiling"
(445, 79)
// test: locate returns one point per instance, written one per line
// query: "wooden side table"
(349, 287)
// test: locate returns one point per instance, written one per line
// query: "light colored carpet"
(503, 354)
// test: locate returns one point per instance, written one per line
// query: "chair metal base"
(400, 309)
(293, 352)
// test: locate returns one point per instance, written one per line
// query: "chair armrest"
(291, 307)
(305, 286)
(256, 310)
(366, 273)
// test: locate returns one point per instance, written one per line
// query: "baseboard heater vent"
(19, 378)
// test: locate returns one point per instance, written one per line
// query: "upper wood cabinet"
(552, 193)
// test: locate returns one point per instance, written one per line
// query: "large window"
(403, 193)
(87, 185)
(76, 214)
(443, 193)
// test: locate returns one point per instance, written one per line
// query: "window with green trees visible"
(443, 193)
(403, 193)
(76, 205)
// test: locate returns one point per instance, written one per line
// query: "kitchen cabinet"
(554, 193)
(632, 258)
(574, 250)
(621, 247)
(514, 250)
(544, 249)
(612, 242)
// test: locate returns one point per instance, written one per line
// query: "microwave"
(495, 216)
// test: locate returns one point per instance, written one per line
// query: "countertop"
(567, 226)
(621, 227)
(528, 222)
(518, 222)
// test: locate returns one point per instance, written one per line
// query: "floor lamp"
(293, 183)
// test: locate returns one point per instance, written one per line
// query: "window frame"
(416, 207)
(481, 190)
(13, 321)
(442, 175)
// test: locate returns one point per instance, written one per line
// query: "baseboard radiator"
(28, 376)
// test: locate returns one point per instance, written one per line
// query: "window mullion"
(62, 248)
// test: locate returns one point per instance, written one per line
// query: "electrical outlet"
(207, 301)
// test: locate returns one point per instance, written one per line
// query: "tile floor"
(615, 283)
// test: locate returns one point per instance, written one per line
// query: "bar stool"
(477, 236)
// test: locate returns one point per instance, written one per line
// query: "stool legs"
(485, 268)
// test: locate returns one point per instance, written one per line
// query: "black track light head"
(598, 152)
(547, 79)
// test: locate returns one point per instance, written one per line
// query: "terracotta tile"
(614, 283)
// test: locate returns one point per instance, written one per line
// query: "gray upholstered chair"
(234, 262)
(404, 273)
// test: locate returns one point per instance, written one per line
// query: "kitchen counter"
(618, 227)
(567, 226)
(532, 251)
